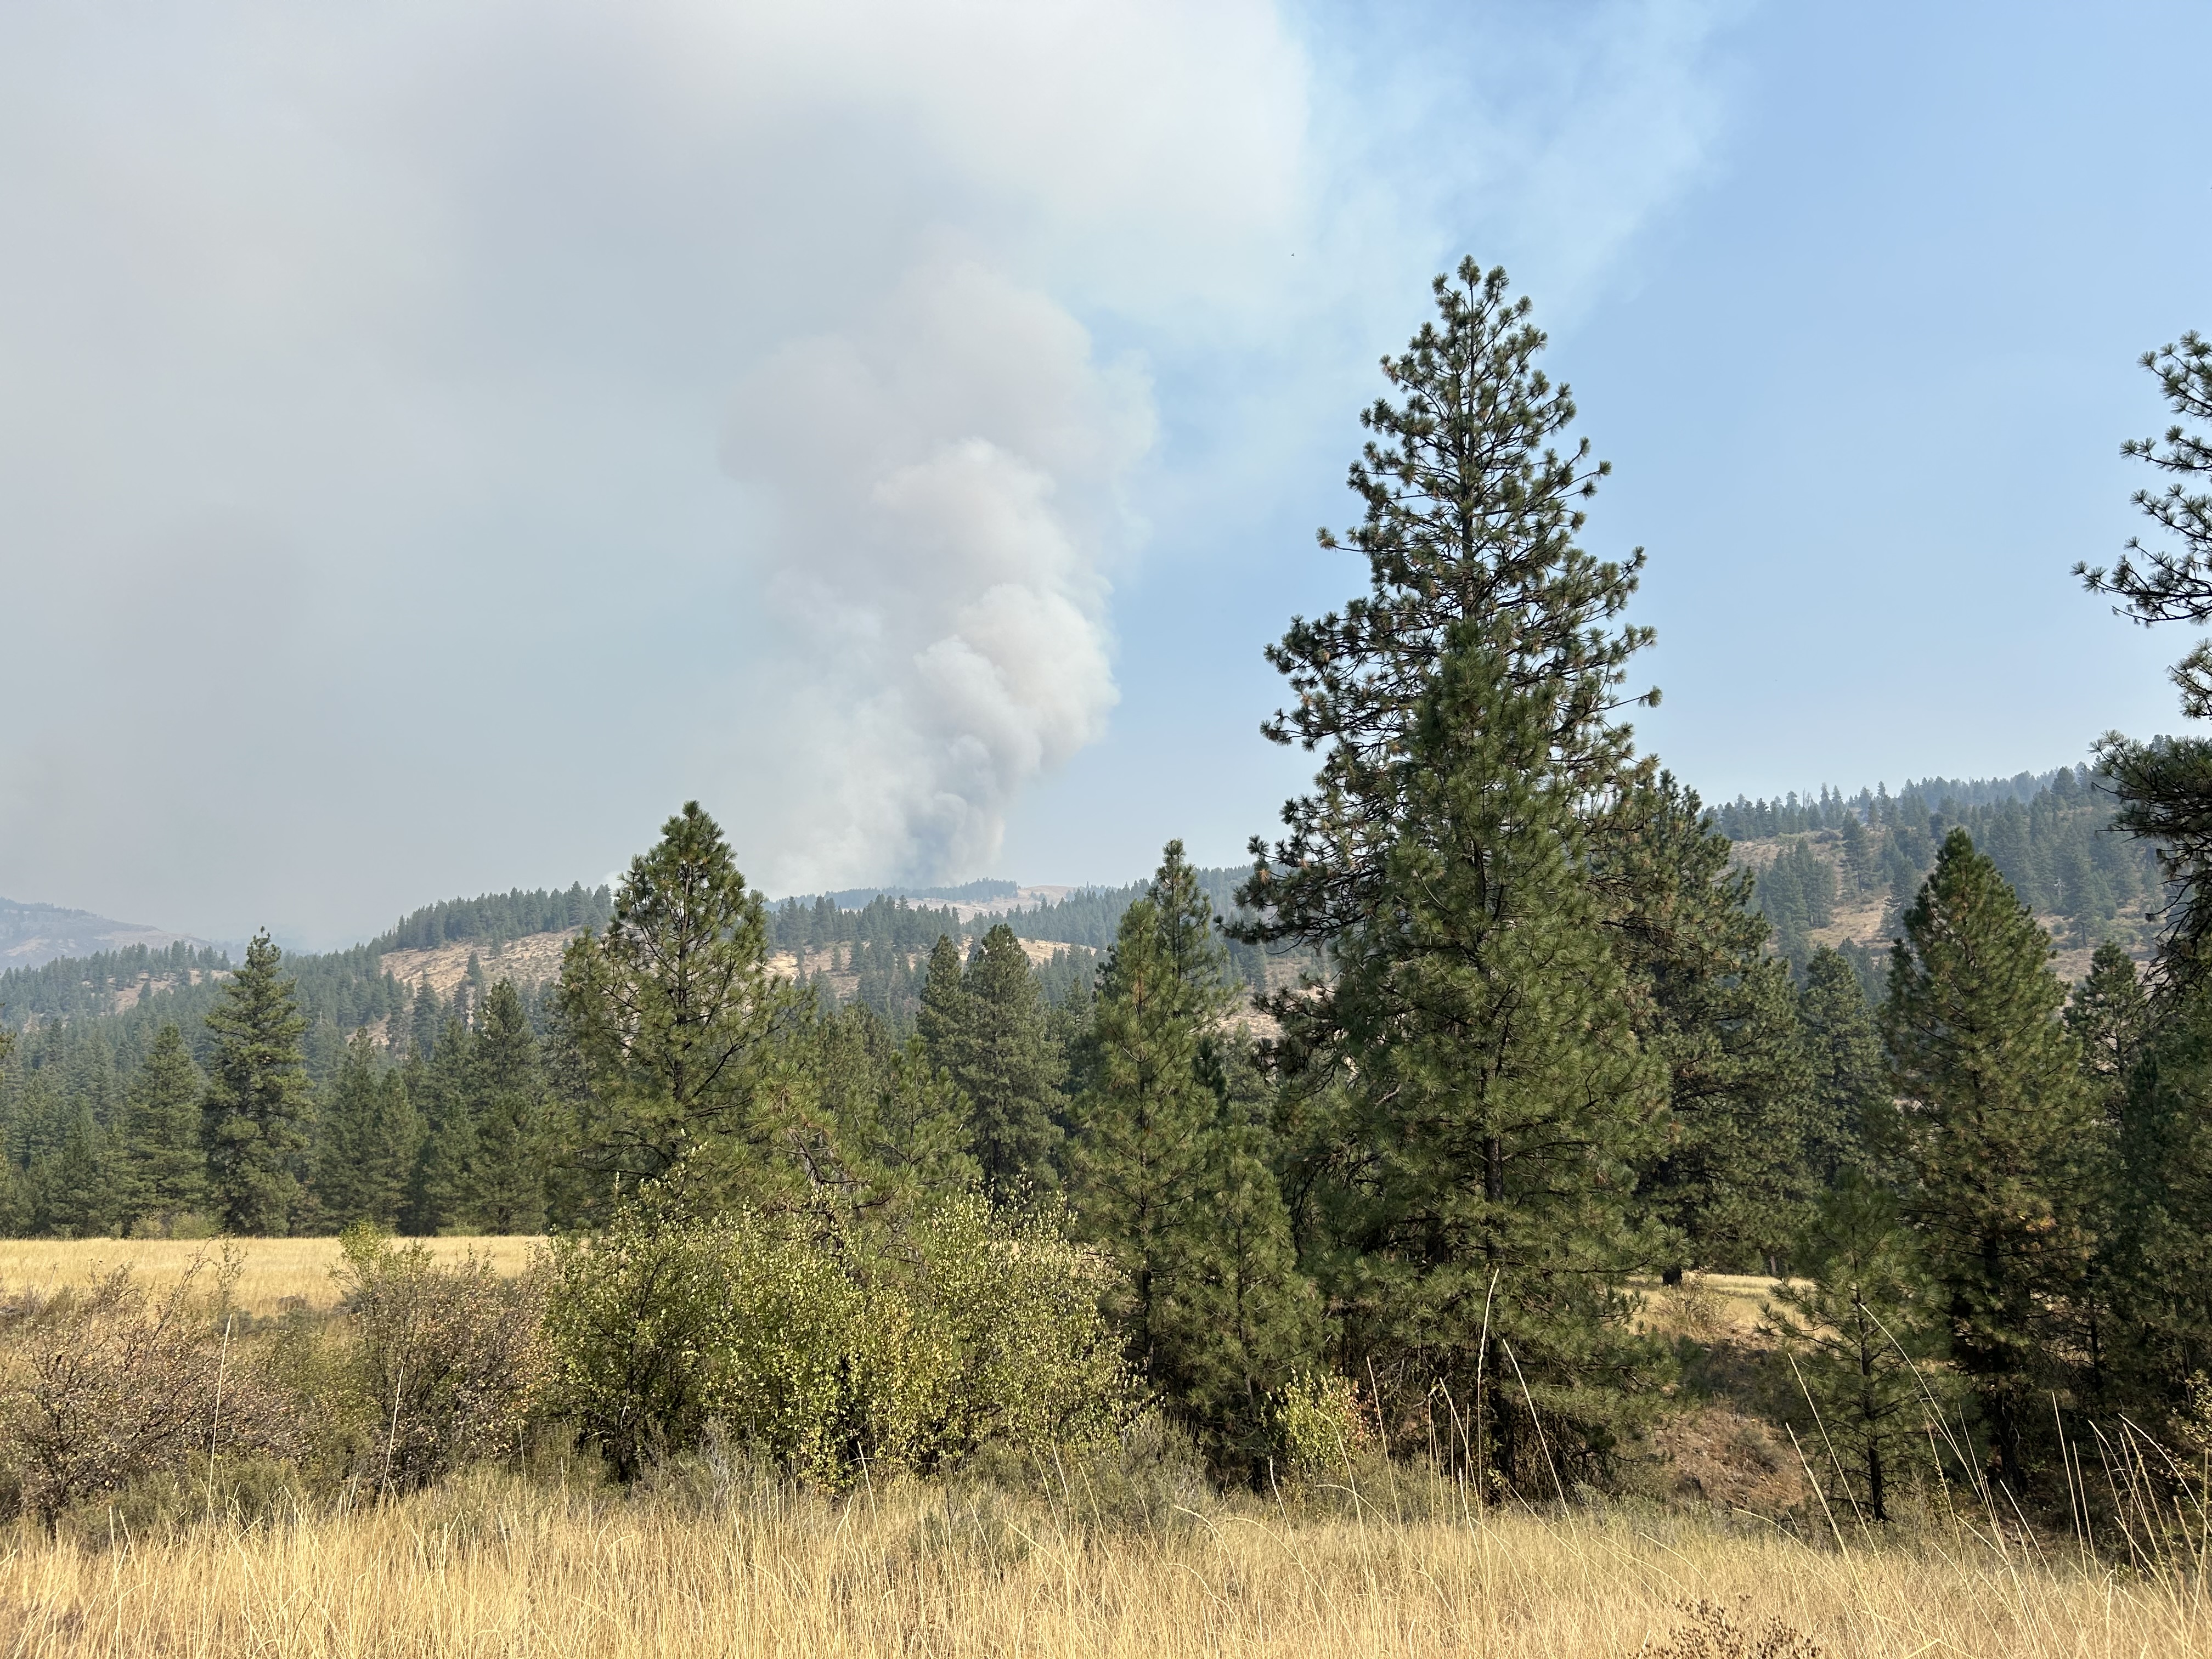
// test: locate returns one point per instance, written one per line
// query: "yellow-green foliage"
(1321, 1423)
(830, 1351)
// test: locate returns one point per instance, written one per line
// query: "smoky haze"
(436, 440)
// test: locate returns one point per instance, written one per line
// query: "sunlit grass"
(277, 1274)
(495, 1566)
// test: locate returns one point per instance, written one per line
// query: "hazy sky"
(437, 440)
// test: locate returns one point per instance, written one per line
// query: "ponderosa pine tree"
(258, 1110)
(1857, 1120)
(2110, 1016)
(2002, 1140)
(1470, 517)
(507, 1086)
(165, 1168)
(1863, 1329)
(1167, 1172)
(1502, 1103)
(669, 1011)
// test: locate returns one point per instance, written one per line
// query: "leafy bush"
(1322, 1427)
(105, 1386)
(832, 1352)
(451, 1357)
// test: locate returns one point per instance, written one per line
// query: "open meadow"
(274, 1275)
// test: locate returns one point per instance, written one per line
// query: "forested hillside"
(1838, 870)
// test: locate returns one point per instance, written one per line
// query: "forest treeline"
(1544, 1055)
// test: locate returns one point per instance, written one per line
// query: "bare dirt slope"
(531, 960)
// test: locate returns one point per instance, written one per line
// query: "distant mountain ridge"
(32, 935)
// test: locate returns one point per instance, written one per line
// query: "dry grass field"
(492, 1565)
(274, 1274)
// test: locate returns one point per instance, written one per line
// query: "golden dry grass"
(493, 1566)
(277, 1274)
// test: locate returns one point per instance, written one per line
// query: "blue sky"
(435, 443)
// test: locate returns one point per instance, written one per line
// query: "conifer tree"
(256, 1114)
(1857, 1125)
(1168, 1172)
(1730, 1178)
(1503, 1102)
(2159, 1273)
(1470, 516)
(165, 1169)
(77, 1188)
(1004, 1061)
(941, 1022)
(2000, 1136)
(1865, 1334)
(508, 1087)
(371, 1138)
(670, 1013)
(441, 1194)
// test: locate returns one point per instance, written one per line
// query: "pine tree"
(670, 1013)
(509, 1085)
(442, 1193)
(1503, 1102)
(1471, 517)
(2159, 1269)
(165, 1171)
(1730, 1180)
(1004, 1063)
(942, 1022)
(1855, 1122)
(1864, 1336)
(2000, 1136)
(2165, 786)
(76, 1187)
(371, 1137)
(256, 1114)
(1168, 1172)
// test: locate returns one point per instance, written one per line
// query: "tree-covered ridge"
(1824, 858)
(497, 918)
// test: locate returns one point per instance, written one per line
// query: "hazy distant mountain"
(32, 935)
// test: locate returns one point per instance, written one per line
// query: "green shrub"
(1321, 1425)
(451, 1359)
(832, 1354)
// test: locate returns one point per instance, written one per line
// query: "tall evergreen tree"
(1730, 1178)
(256, 1114)
(2160, 1270)
(2164, 785)
(441, 1193)
(670, 1013)
(165, 1172)
(1004, 1061)
(1502, 1102)
(371, 1137)
(1857, 1125)
(2001, 1139)
(509, 1088)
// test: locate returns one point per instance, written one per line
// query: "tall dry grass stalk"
(492, 1565)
